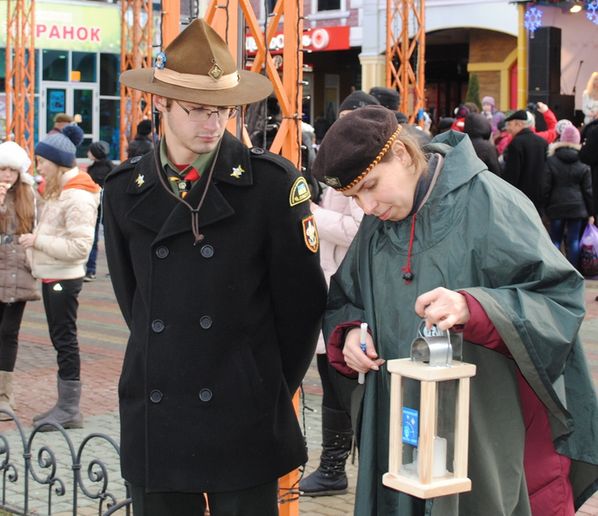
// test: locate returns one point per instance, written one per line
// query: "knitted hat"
(61, 148)
(368, 132)
(570, 135)
(489, 100)
(99, 149)
(521, 114)
(561, 124)
(356, 100)
(12, 155)
(388, 97)
(144, 128)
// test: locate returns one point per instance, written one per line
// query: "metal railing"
(54, 482)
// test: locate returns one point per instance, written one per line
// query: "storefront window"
(85, 64)
(55, 63)
(109, 70)
(109, 124)
(329, 5)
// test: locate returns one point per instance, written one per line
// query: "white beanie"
(12, 155)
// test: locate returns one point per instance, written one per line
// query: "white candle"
(439, 466)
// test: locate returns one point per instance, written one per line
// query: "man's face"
(192, 128)
(514, 126)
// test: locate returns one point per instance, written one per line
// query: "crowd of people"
(220, 256)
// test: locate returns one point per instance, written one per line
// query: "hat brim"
(252, 87)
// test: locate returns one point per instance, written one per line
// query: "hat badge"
(215, 72)
(160, 61)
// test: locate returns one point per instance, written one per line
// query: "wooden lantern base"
(440, 487)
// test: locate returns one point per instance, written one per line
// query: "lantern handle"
(435, 346)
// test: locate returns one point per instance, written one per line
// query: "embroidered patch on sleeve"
(299, 192)
(310, 233)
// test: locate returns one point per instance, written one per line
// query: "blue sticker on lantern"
(410, 426)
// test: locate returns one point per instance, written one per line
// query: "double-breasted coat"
(222, 332)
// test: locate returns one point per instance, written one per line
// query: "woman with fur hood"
(60, 246)
(568, 192)
(17, 285)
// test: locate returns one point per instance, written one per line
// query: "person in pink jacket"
(337, 218)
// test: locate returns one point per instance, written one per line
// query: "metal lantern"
(429, 417)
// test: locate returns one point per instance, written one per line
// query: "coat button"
(205, 395)
(205, 322)
(156, 396)
(207, 251)
(157, 326)
(162, 252)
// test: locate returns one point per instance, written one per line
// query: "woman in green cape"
(447, 241)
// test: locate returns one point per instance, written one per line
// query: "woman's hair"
(24, 209)
(53, 185)
(418, 158)
(591, 90)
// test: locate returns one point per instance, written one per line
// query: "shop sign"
(320, 39)
(72, 26)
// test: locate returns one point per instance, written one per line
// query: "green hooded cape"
(479, 234)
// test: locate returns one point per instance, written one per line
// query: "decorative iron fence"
(44, 473)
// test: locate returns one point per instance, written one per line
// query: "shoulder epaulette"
(124, 166)
(259, 153)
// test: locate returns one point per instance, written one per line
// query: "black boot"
(330, 477)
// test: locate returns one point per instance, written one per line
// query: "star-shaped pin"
(237, 172)
(139, 180)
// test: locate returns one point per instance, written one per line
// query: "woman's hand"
(442, 307)
(4, 187)
(355, 358)
(27, 240)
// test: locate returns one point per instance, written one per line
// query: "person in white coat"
(337, 218)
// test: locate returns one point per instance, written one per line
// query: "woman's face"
(387, 191)
(8, 176)
(595, 82)
(46, 168)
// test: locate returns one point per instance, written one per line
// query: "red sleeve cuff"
(480, 329)
(334, 348)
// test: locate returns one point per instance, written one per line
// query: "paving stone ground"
(102, 335)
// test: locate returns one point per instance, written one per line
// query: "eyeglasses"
(202, 114)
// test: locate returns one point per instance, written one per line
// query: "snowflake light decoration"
(592, 11)
(533, 19)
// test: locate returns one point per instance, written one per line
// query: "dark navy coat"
(222, 332)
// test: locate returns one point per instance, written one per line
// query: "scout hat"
(354, 145)
(198, 67)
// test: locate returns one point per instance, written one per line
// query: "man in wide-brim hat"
(213, 255)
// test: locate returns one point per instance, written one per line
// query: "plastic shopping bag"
(588, 261)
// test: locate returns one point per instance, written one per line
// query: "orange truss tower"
(20, 72)
(405, 52)
(233, 21)
(135, 52)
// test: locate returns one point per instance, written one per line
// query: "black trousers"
(261, 500)
(11, 315)
(61, 301)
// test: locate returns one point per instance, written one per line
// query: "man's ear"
(159, 103)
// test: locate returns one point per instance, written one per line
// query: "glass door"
(79, 100)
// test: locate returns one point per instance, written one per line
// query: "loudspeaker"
(544, 61)
(563, 106)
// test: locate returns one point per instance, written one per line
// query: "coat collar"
(159, 211)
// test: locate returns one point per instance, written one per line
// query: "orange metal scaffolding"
(135, 52)
(405, 52)
(20, 72)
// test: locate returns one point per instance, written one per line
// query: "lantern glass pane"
(436, 417)
(410, 412)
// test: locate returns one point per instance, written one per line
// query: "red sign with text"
(319, 39)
